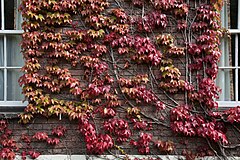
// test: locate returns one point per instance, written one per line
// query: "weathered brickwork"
(124, 77)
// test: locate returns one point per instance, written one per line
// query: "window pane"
(12, 16)
(228, 79)
(1, 52)
(232, 51)
(225, 81)
(14, 57)
(233, 14)
(9, 14)
(1, 85)
(14, 91)
(1, 15)
(235, 46)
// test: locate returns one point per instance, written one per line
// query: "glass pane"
(233, 14)
(14, 91)
(9, 14)
(12, 16)
(18, 21)
(232, 50)
(14, 57)
(1, 52)
(1, 85)
(1, 15)
(226, 81)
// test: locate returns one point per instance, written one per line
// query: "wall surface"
(120, 78)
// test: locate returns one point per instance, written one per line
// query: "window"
(10, 57)
(229, 65)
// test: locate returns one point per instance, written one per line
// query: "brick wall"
(73, 142)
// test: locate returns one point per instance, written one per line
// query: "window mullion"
(234, 31)
(236, 52)
(14, 32)
(5, 66)
(224, 16)
(238, 14)
(228, 67)
(2, 13)
(12, 67)
(236, 64)
(18, 20)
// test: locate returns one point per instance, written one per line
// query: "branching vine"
(130, 63)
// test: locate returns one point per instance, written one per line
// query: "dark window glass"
(9, 14)
(233, 14)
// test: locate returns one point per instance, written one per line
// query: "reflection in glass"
(13, 51)
(14, 91)
(1, 52)
(1, 15)
(226, 81)
(1, 85)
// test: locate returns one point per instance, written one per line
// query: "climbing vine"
(131, 63)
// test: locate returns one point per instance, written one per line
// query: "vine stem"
(222, 151)
(170, 106)
(236, 128)
(121, 150)
(115, 155)
(143, 15)
(118, 66)
(215, 152)
(114, 64)
(161, 89)
(186, 61)
(94, 123)
(119, 5)
(231, 146)
(155, 121)
(116, 76)
(189, 39)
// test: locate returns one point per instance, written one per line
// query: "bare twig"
(222, 151)
(155, 121)
(215, 152)
(119, 5)
(186, 61)
(231, 146)
(176, 103)
(235, 127)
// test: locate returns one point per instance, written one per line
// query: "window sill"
(13, 103)
(227, 104)
(11, 109)
(2, 32)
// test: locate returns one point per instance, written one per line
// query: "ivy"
(129, 67)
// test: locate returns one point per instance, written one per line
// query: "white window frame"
(225, 50)
(4, 33)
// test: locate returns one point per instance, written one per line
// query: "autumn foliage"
(128, 65)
